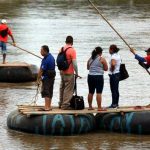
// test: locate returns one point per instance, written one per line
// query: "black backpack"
(61, 60)
(4, 33)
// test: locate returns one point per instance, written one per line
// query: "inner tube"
(16, 74)
(54, 124)
(131, 122)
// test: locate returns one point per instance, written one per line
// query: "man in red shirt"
(4, 32)
(143, 59)
(67, 76)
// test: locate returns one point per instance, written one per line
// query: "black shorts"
(95, 82)
(47, 88)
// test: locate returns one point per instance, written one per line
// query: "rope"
(113, 28)
(35, 98)
(25, 50)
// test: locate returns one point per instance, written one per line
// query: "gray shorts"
(47, 87)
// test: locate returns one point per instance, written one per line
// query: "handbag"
(77, 102)
(123, 72)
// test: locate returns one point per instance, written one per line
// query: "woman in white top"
(114, 74)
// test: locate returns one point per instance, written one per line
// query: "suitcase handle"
(75, 86)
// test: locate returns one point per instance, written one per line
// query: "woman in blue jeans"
(96, 66)
(114, 74)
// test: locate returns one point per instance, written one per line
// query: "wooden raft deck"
(37, 110)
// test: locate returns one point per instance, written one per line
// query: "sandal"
(90, 108)
(43, 109)
(101, 109)
(138, 107)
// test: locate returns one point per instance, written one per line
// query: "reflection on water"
(39, 22)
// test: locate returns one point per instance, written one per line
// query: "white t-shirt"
(116, 57)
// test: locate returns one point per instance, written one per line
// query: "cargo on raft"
(18, 72)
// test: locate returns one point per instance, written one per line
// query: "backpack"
(4, 33)
(61, 60)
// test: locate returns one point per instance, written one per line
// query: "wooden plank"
(85, 111)
(29, 106)
(41, 106)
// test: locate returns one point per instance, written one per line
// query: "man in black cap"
(143, 59)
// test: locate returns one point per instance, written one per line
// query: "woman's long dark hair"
(96, 51)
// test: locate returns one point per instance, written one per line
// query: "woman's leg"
(90, 99)
(99, 90)
(99, 100)
(91, 90)
(114, 86)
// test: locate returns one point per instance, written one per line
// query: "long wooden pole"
(25, 50)
(113, 28)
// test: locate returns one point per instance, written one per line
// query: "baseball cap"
(3, 21)
(148, 50)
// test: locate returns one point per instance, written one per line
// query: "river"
(39, 22)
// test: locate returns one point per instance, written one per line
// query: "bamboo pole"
(25, 50)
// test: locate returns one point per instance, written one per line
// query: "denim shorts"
(95, 82)
(3, 47)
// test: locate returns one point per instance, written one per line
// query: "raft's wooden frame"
(37, 110)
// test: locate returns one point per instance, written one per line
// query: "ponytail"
(96, 51)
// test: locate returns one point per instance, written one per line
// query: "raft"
(137, 122)
(51, 124)
(18, 72)
(33, 119)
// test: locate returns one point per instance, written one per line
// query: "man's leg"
(4, 58)
(47, 92)
(3, 45)
(47, 103)
(68, 91)
(61, 91)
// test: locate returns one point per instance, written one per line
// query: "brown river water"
(39, 22)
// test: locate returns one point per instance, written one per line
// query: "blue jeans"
(3, 47)
(114, 86)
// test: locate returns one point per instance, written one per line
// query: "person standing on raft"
(47, 75)
(4, 32)
(67, 76)
(114, 74)
(96, 66)
(143, 59)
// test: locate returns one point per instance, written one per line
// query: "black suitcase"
(77, 102)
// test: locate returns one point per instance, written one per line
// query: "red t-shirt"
(4, 27)
(71, 55)
(148, 59)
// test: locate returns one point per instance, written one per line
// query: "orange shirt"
(71, 55)
(3, 27)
